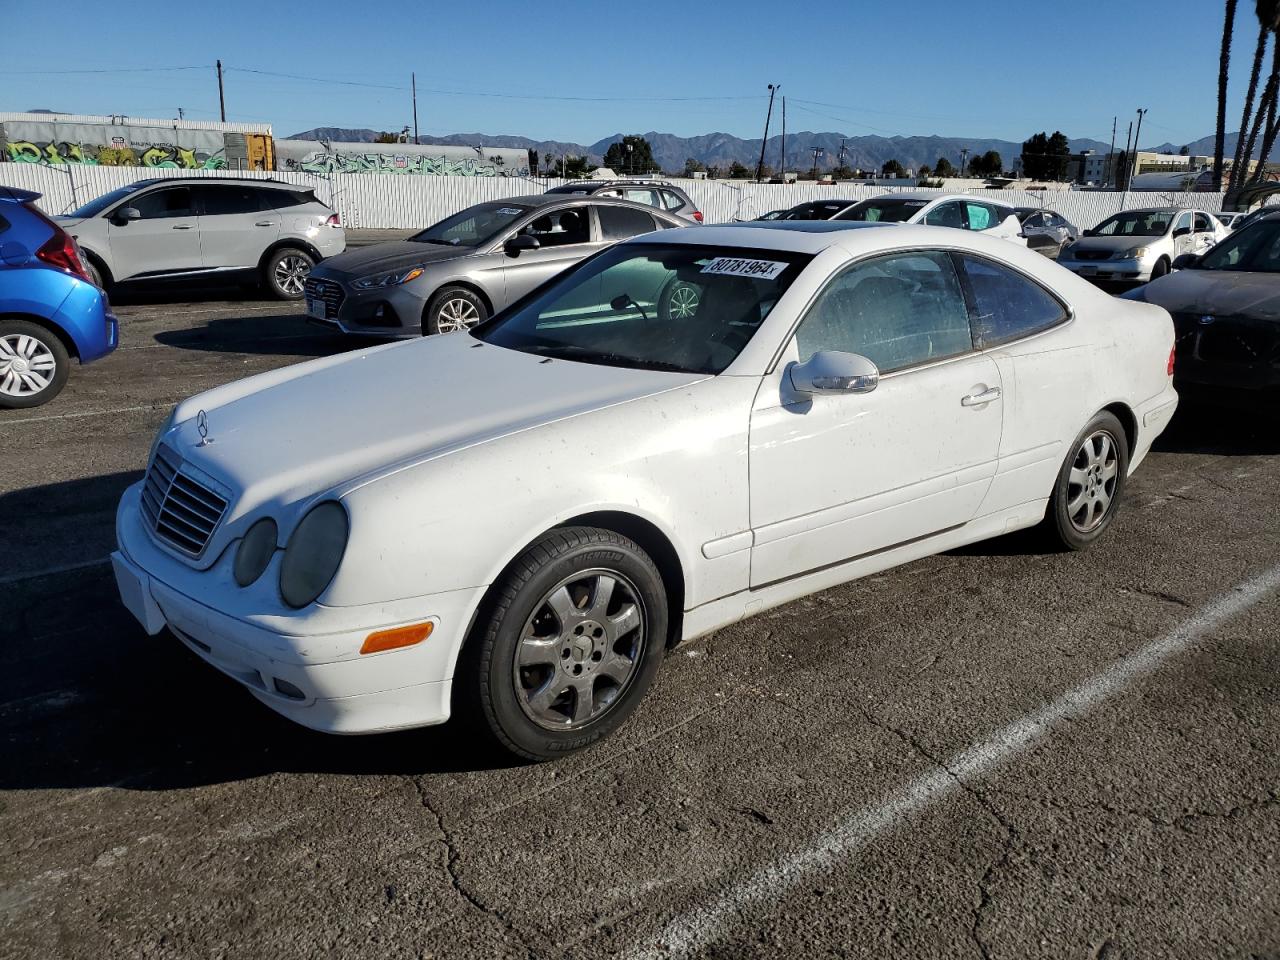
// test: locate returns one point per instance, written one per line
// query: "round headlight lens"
(255, 551)
(313, 553)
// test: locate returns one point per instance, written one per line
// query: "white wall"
(387, 201)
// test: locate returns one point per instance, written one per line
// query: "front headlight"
(392, 279)
(313, 553)
(1137, 253)
(255, 551)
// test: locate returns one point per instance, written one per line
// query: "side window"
(898, 311)
(229, 199)
(671, 200)
(648, 197)
(1007, 306)
(1184, 220)
(282, 199)
(947, 215)
(1036, 220)
(981, 217)
(161, 204)
(1202, 223)
(618, 223)
(561, 229)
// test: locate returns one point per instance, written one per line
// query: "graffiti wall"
(407, 159)
(111, 145)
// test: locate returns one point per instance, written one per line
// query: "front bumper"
(1135, 271)
(394, 312)
(1231, 352)
(305, 666)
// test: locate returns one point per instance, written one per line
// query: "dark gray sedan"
(1047, 231)
(1226, 311)
(462, 270)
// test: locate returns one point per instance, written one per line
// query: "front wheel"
(679, 300)
(1087, 493)
(572, 639)
(34, 365)
(453, 309)
(1160, 269)
(286, 273)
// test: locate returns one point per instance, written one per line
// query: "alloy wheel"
(580, 649)
(1091, 485)
(291, 274)
(457, 314)
(684, 301)
(27, 366)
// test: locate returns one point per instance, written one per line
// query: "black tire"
(1160, 269)
(285, 272)
(679, 299)
(94, 271)
(1063, 526)
(32, 355)
(452, 309)
(503, 697)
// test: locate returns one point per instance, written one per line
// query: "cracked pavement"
(149, 807)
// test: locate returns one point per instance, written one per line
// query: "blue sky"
(922, 67)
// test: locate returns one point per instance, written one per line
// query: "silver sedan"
(462, 270)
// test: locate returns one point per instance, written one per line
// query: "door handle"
(265, 223)
(978, 399)
(181, 226)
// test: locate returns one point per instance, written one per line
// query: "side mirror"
(832, 371)
(125, 214)
(519, 243)
(1181, 231)
(1087, 233)
(1188, 261)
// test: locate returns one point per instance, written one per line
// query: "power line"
(51, 73)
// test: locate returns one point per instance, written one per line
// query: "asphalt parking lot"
(993, 753)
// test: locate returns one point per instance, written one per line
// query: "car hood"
(1112, 244)
(378, 257)
(1217, 292)
(67, 222)
(293, 433)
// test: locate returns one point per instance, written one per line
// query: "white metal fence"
(386, 201)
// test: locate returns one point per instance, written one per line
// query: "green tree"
(842, 172)
(738, 172)
(892, 168)
(1044, 157)
(988, 164)
(944, 168)
(631, 155)
(1268, 12)
(1224, 65)
(924, 171)
(573, 168)
(715, 172)
(692, 166)
(385, 137)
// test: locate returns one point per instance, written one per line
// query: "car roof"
(256, 181)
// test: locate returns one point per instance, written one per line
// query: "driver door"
(165, 240)
(564, 236)
(1183, 242)
(838, 476)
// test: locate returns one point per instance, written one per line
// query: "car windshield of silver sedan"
(1134, 223)
(881, 210)
(474, 226)
(1255, 249)
(680, 307)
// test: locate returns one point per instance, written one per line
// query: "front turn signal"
(395, 639)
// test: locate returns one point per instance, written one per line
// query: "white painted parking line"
(696, 930)
(88, 413)
(50, 571)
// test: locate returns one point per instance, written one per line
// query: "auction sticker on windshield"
(737, 267)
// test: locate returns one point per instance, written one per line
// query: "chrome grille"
(181, 510)
(328, 292)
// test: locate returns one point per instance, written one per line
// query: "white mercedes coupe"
(519, 520)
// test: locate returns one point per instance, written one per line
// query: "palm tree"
(1224, 65)
(1268, 12)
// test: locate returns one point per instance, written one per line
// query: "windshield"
(817, 210)
(1255, 249)
(1135, 223)
(679, 307)
(882, 210)
(95, 207)
(473, 226)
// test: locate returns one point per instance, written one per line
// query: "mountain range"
(722, 149)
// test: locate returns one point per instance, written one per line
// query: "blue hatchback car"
(50, 311)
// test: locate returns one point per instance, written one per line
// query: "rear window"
(618, 223)
(279, 199)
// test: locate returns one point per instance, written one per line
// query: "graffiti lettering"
(118, 154)
(321, 162)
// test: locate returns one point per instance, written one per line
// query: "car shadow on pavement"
(1222, 426)
(141, 293)
(277, 335)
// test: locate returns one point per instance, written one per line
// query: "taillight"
(60, 251)
(333, 221)
(1172, 352)
(697, 215)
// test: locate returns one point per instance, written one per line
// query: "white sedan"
(679, 432)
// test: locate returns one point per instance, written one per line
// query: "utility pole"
(181, 115)
(1137, 135)
(413, 79)
(1106, 172)
(817, 152)
(222, 100)
(964, 156)
(782, 170)
(1124, 174)
(773, 89)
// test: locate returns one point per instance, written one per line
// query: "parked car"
(462, 270)
(771, 215)
(1229, 220)
(1140, 245)
(207, 228)
(51, 311)
(960, 211)
(1226, 311)
(522, 518)
(816, 210)
(652, 193)
(1047, 231)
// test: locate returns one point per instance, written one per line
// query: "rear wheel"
(95, 274)
(572, 639)
(1087, 493)
(34, 364)
(285, 273)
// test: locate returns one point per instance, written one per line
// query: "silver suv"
(206, 228)
(462, 270)
(652, 193)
